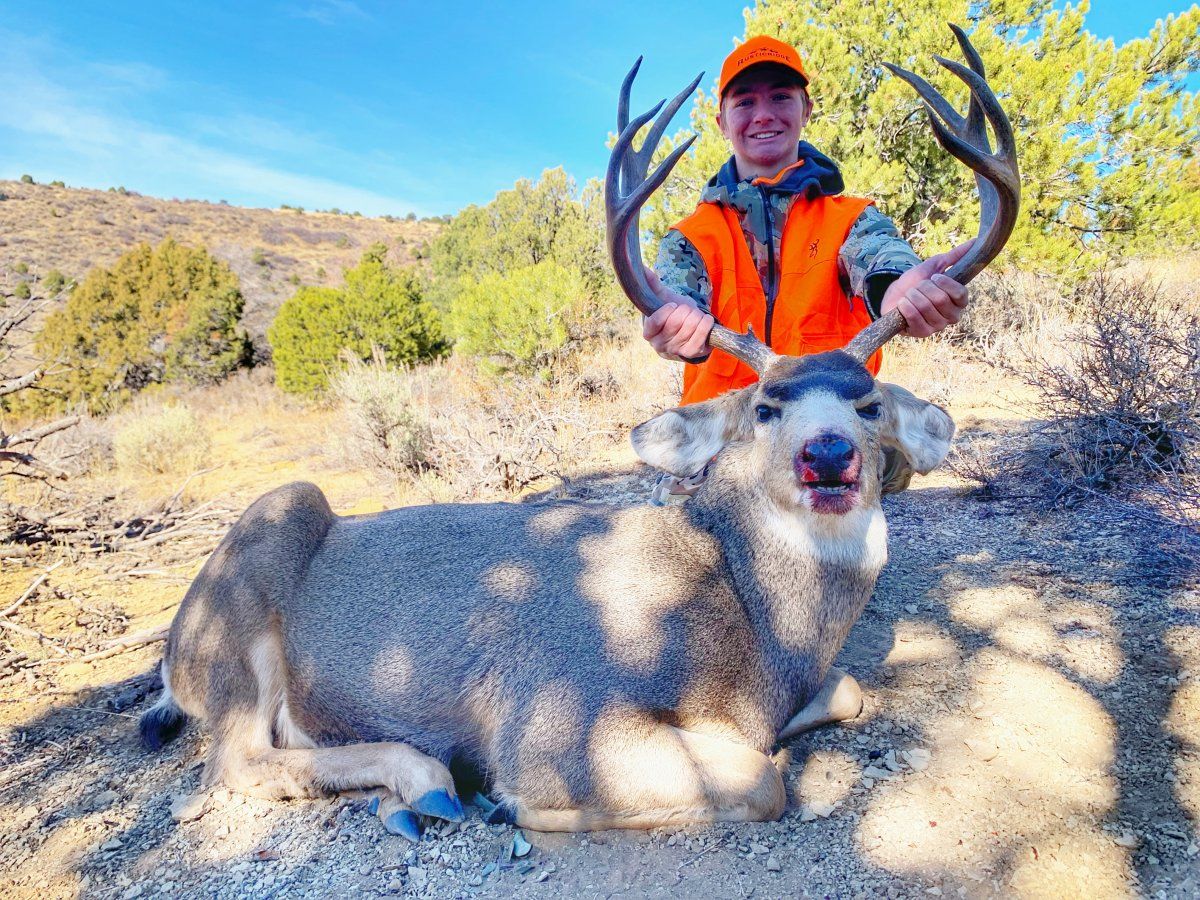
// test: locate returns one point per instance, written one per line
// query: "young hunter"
(775, 244)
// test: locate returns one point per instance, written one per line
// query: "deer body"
(565, 628)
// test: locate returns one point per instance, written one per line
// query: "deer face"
(815, 429)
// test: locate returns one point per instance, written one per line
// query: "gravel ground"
(1032, 688)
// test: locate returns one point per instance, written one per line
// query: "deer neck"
(803, 578)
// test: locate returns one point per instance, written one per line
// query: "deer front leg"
(642, 775)
(839, 699)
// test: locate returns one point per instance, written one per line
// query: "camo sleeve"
(873, 256)
(681, 268)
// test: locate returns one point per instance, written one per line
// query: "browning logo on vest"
(812, 313)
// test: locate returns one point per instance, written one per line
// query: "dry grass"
(454, 430)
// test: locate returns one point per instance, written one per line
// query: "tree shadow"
(1092, 562)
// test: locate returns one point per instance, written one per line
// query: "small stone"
(773, 865)
(417, 876)
(759, 849)
(111, 844)
(542, 875)
(476, 880)
(104, 798)
(366, 869)
(1192, 850)
(673, 840)
(876, 773)
(395, 886)
(489, 869)
(187, 807)
(910, 608)
(807, 815)
(1126, 839)
(917, 759)
(133, 891)
(520, 846)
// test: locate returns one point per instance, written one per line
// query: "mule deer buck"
(603, 667)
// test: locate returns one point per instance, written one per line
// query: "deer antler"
(996, 176)
(627, 187)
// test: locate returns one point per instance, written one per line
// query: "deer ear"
(918, 429)
(682, 440)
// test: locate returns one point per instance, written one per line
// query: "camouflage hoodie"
(871, 258)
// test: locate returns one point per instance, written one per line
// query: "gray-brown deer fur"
(603, 666)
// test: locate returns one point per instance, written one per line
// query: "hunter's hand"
(929, 300)
(678, 330)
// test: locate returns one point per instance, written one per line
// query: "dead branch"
(29, 591)
(120, 645)
(34, 435)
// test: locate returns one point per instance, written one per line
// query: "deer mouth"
(831, 495)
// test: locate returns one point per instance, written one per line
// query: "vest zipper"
(772, 287)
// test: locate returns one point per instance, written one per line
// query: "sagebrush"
(155, 440)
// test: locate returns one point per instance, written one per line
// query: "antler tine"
(975, 61)
(996, 176)
(627, 186)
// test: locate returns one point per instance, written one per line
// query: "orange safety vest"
(812, 312)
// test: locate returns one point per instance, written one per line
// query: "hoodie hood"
(815, 175)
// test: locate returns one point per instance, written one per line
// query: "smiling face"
(762, 113)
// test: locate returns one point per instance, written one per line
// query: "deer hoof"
(503, 814)
(440, 804)
(405, 823)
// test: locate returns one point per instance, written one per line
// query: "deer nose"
(829, 453)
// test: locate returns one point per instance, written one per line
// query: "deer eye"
(765, 413)
(870, 411)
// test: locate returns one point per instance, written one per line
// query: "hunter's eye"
(870, 411)
(765, 413)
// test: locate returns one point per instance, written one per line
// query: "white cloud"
(79, 132)
(328, 12)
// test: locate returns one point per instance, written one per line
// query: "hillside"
(271, 250)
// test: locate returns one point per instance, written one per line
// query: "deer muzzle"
(827, 469)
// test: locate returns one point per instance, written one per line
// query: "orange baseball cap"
(756, 51)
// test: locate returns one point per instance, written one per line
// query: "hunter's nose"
(829, 452)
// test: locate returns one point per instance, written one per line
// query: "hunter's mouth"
(765, 135)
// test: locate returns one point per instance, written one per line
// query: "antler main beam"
(996, 175)
(628, 184)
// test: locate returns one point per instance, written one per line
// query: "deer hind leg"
(839, 699)
(258, 749)
(665, 776)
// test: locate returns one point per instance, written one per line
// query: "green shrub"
(27, 179)
(53, 281)
(21, 268)
(163, 314)
(259, 257)
(23, 291)
(521, 319)
(58, 183)
(160, 440)
(533, 222)
(377, 307)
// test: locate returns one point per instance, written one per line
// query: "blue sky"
(370, 106)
